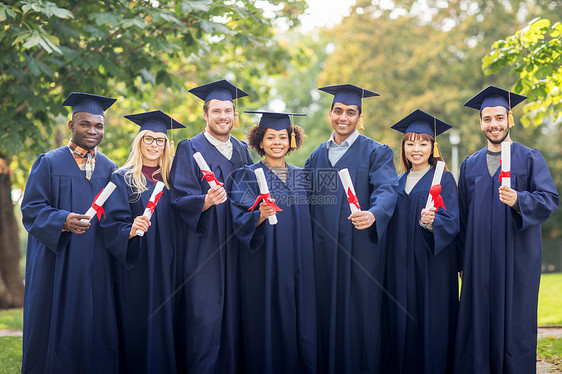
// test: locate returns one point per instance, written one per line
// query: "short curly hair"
(256, 134)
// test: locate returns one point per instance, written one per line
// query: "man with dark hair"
(208, 269)
(348, 249)
(69, 314)
(501, 235)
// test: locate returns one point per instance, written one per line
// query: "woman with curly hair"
(276, 263)
(144, 280)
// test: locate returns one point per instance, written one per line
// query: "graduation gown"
(276, 275)
(422, 280)
(349, 263)
(69, 313)
(209, 307)
(144, 278)
(497, 325)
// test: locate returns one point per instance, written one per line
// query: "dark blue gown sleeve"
(446, 223)
(242, 196)
(186, 193)
(384, 185)
(117, 224)
(464, 202)
(541, 200)
(40, 218)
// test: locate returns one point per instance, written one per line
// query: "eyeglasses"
(148, 140)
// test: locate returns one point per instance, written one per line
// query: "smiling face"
(151, 153)
(219, 118)
(493, 122)
(87, 129)
(275, 144)
(417, 150)
(344, 119)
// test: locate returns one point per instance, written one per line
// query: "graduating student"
(501, 233)
(69, 314)
(348, 248)
(145, 281)
(421, 274)
(276, 261)
(210, 307)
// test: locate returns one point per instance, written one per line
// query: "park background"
(428, 54)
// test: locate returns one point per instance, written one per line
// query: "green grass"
(550, 300)
(550, 349)
(11, 319)
(10, 354)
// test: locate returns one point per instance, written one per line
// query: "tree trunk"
(11, 282)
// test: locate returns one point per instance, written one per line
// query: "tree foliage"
(534, 54)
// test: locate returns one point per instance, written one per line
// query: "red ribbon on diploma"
(152, 204)
(210, 176)
(435, 192)
(267, 198)
(352, 199)
(99, 209)
(504, 174)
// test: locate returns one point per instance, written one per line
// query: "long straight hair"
(413, 136)
(133, 167)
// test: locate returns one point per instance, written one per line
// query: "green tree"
(142, 52)
(534, 54)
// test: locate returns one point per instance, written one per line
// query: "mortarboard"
(495, 96)
(277, 121)
(156, 121)
(89, 103)
(348, 94)
(220, 90)
(422, 123)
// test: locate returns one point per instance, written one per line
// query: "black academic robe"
(209, 303)
(144, 278)
(422, 280)
(69, 312)
(276, 275)
(497, 325)
(349, 263)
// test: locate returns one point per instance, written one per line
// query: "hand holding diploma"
(99, 200)
(506, 193)
(76, 223)
(349, 190)
(434, 198)
(266, 197)
(216, 194)
(151, 206)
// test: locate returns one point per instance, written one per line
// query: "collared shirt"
(336, 151)
(85, 159)
(225, 148)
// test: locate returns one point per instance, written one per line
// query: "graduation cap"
(89, 103)
(422, 123)
(349, 94)
(495, 96)
(156, 121)
(220, 90)
(277, 121)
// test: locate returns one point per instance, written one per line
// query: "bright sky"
(325, 13)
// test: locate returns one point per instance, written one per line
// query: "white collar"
(349, 141)
(214, 141)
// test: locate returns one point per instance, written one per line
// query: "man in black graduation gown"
(348, 249)
(501, 235)
(69, 315)
(208, 317)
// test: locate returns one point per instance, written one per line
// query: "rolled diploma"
(108, 190)
(147, 212)
(506, 162)
(347, 183)
(204, 167)
(436, 180)
(262, 184)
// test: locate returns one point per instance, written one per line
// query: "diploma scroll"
(505, 175)
(436, 181)
(349, 190)
(206, 170)
(264, 191)
(96, 207)
(152, 203)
